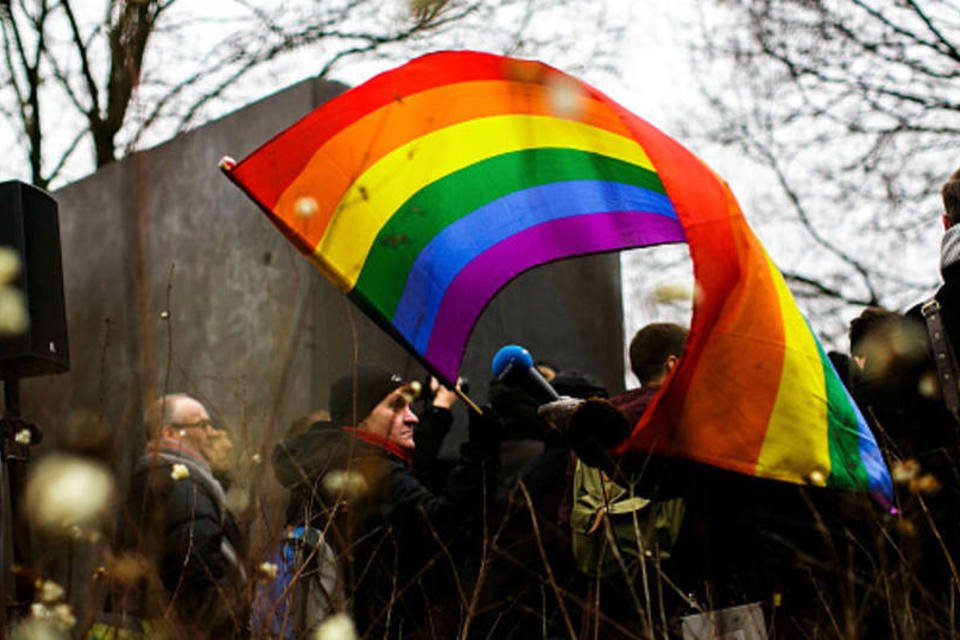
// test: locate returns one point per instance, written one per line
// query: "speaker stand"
(18, 538)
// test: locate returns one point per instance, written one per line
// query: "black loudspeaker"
(30, 227)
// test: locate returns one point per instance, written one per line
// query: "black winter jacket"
(912, 423)
(909, 423)
(183, 527)
(384, 524)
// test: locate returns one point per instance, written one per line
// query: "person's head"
(380, 401)
(578, 384)
(655, 351)
(950, 192)
(874, 328)
(886, 346)
(180, 417)
(546, 369)
(393, 418)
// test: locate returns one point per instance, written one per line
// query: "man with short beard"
(176, 518)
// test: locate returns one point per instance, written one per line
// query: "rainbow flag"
(424, 191)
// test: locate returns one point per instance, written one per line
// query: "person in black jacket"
(902, 396)
(175, 517)
(399, 545)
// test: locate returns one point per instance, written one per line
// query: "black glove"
(485, 431)
(595, 427)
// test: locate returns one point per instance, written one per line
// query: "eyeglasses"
(200, 424)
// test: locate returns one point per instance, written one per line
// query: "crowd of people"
(536, 530)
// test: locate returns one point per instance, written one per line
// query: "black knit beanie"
(578, 385)
(372, 385)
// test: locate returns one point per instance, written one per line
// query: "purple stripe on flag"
(479, 281)
(455, 246)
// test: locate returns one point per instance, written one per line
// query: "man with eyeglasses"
(176, 518)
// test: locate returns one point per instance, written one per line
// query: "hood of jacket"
(301, 459)
(304, 456)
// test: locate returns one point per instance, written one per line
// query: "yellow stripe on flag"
(796, 444)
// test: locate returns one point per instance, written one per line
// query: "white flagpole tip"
(227, 163)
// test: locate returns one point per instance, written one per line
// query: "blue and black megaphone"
(513, 365)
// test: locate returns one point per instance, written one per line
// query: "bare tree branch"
(822, 289)
(852, 110)
(55, 172)
(129, 71)
(947, 44)
(93, 92)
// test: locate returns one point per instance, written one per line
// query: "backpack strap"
(943, 356)
(308, 535)
(321, 589)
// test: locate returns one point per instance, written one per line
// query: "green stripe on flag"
(843, 432)
(449, 199)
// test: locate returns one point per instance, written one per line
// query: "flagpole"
(466, 399)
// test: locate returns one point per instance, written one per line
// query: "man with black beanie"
(395, 540)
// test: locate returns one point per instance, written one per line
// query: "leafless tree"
(850, 112)
(114, 75)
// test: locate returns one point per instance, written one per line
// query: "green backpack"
(618, 524)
